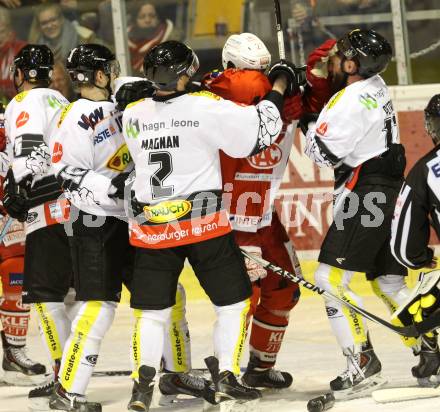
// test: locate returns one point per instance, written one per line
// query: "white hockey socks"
(54, 327)
(230, 335)
(80, 355)
(148, 338)
(393, 291)
(177, 345)
(349, 327)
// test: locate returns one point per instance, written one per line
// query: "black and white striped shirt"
(417, 208)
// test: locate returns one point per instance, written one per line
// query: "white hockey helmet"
(245, 51)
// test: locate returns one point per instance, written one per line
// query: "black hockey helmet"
(166, 62)
(84, 60)
(432, 118)
(371, 51)
(36, 61)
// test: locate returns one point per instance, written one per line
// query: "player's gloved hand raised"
(132, 92)
(292, 75)
(319, 89)
(15, 196)
(254, 270)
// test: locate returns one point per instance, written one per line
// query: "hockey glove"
(15, 196)
(423, 303)
(117, 187)
(132, 92)
(318, 92)
(292, 74)
(254, 270)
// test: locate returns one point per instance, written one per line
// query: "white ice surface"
(309, 352)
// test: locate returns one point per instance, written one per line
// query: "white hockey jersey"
(88, 151)
(175, 144)
(357, 124)
(30, 120)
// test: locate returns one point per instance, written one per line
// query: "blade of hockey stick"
(6, 228)
(404, 394)
(409, 331)
(279, 28)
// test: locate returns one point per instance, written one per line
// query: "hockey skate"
(40, 396)
(361, 377)
(142, 392)
(265, 377)
(171, 385)
(60, 400)
(18, 369)
(427, 371)
(229, 392)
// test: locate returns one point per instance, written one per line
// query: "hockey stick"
(279, 27)
(409, 331)
(6, 228)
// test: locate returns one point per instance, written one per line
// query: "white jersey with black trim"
(30, 119)
(175, 141)
(357, 124)
(88, 151)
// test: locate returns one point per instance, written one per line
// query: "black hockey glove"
(15, 196)
(132, 92)
(292, 74)
(117, 187)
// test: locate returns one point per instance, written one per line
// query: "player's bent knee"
(94, 318)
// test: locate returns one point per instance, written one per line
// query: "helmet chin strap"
(107, 87)
(18, 86)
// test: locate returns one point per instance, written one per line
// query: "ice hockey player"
(174, 139)
(356, 134)
(31, 194)
(18, 369)
(91, 163)
(417, 209)
(251, 185)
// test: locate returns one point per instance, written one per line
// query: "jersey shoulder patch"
(206, 93)
(335, 99)
(20, 96)
(134, 103)
(64, 114)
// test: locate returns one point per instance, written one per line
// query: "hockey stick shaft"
(6, 228)
(409, 331)
(279, 27)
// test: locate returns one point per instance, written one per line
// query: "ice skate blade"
(174, 400)
(405, 394)
(20, 379)
(233, 405)
(363, 389)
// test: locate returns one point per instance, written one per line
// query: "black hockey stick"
(408, 331)
(279, 27)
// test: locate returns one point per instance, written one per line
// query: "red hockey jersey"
(250, 184)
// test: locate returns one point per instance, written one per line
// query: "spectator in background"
(61, 81)
(59, 34)
(9, 47)
(306, 14)
(146, 31)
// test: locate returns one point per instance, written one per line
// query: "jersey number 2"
(158, 189)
